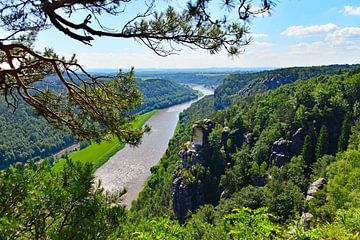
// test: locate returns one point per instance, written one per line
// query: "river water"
(130, 167)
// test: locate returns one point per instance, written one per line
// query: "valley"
(130, 167)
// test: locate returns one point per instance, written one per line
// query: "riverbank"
(130, 167)
(98, 153)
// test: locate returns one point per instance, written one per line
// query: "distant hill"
(252, 82)
(162, 93)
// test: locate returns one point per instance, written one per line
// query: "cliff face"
(188, 192)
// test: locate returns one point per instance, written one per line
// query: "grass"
(99, 153)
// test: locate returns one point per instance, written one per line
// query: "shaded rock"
(278, 80)
(314, 188)
(189, 196)
(306, 218)
(200, 132)
(186, 198)
(297, 141)
(225, 136)
(248, 138)
(280, 152)
(246, 89)
(258, 180)
(311, 194)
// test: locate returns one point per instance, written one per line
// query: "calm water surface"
(130, 167)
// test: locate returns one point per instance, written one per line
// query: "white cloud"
(349, 36)
(310, 30)
(258, 35)
(261, 44)
(350, 10)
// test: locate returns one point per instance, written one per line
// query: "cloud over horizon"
(350, 10)
(310, 30)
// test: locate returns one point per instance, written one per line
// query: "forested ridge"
(25, 135)
(279, 164)
(162, 93)
(200, 77)
(248, 83)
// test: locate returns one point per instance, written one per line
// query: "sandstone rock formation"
(297, 141)
(280, 152)
(189, 196)
(310, 195)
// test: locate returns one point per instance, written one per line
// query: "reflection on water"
(130, 167)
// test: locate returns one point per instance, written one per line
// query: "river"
(130, 167)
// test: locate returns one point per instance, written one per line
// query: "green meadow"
(99, 153)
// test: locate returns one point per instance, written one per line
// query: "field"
(98, 153)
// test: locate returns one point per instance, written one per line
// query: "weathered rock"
(277, 81)
(248, 138)
(280, 152)
(297, 141)
(314, 188)
(186, 198)
(311, 194)
(200, 132)
(225, 136)
(246, 89)
(306, 218)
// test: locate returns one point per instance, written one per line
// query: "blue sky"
(298, 33)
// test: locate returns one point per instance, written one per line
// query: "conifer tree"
(322, 144)
(308, 149)
(344, 134)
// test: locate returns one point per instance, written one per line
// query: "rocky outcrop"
(278, 80)
(297, 141)
(246, 89)
(280, 152)
(310, 195)
(189, 196)
(248, 138)
(201, 131)
(314, 188)
(186, 197)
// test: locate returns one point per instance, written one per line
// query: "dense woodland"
(161, 93)
(253, 190)
(183, 77)
(25, 136)
(246, 84)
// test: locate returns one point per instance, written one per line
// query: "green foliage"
(308, 150)
(345, 227)
(319, 168)
(238, 176)
(252, 83)
(37, 203)
(344, 134)
(24, 136)
(251, 224)
(322, 144)
(162, 93)
(343, 183)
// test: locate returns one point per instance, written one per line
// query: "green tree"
(322, 143)
(344, 134)
(36, 203)
(308, 150)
